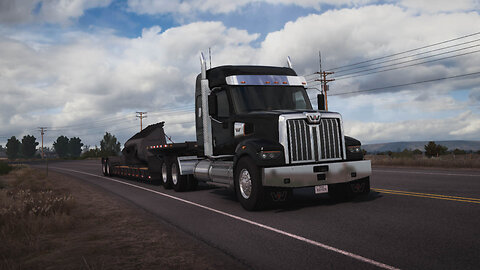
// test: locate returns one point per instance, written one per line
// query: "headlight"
(270, 154)
(354, 149)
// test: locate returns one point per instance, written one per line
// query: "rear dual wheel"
(166, 175)
(179, 182)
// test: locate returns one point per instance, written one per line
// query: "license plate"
(321, 189)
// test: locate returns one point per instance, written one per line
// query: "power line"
(343, 77)
(407, 51)
(407, 84)
(417, 54)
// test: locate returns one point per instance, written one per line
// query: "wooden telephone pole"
(141, 115)
(42, 132)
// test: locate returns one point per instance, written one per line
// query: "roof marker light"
(242, 82)
(267, 82)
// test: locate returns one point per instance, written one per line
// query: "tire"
(107, 168)
(104, 164)
(179, 182)
(166, 175)
(248, 185)
(192, 183)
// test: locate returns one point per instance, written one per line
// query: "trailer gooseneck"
(257, 134)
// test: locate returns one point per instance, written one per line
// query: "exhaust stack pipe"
(289, 62)
(207, 122)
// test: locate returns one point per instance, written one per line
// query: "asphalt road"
(413, 219)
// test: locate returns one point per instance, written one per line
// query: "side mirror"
(212, 105)
(321, 102)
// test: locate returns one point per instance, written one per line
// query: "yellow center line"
(426, 195)
(429, 194)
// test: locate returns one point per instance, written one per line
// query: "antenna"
(289, 62)
(210, 56)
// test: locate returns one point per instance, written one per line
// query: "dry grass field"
(56, 222)
(444, 161)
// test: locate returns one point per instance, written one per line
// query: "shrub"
(4, 168)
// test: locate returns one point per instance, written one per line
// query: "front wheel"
(248, 184)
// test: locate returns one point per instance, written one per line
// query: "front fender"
(252, 148)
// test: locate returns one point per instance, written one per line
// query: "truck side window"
(299, 100)
(222, 104)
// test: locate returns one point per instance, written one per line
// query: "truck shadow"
(302, 198)
(305, 200)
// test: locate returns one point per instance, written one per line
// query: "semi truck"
(257, 134)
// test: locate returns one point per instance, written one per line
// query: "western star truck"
(257, 134)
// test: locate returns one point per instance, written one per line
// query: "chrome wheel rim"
(245, 183)
(174, 174)
(164, 172)
(107, 169)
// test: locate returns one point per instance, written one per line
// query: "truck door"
(222, 125)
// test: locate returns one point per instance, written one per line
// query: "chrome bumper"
(304, 175)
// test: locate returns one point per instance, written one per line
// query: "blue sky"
(82, 68)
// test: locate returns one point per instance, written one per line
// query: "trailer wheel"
(104, 169)
(179, 182)
(166, 175)
(107, 168)
(248, 184)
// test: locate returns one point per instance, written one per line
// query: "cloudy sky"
(84, 67)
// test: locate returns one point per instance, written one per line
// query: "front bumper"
(305, 175)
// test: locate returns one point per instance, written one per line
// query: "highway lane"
(385, 230)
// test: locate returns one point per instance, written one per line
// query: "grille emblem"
(313, 118)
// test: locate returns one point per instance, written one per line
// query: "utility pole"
(323, 79)
(325, 87)
(141, 115)
(42, 131)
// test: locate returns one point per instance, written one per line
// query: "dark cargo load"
(135, 150)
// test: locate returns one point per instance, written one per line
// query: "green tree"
(13, 147)
(75, 147)
(90, 153)
(29, 146)
(417, 152)
(432, 149)
(459, 152)
(61, 146)
(109, 145)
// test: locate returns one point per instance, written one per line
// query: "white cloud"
(441, 5)
(50, 11)
(465, 126)
(96, 81)
(189, 7)
(90, 76)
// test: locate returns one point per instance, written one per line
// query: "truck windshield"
(267, 98)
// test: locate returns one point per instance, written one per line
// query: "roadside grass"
(471, 161)
(29, 208)
(57, 222)
(5, 168)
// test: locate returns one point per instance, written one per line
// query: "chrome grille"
(314, 142)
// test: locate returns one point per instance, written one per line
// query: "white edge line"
(266, 227)
(446, 174)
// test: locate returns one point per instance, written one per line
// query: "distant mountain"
(400, 146)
